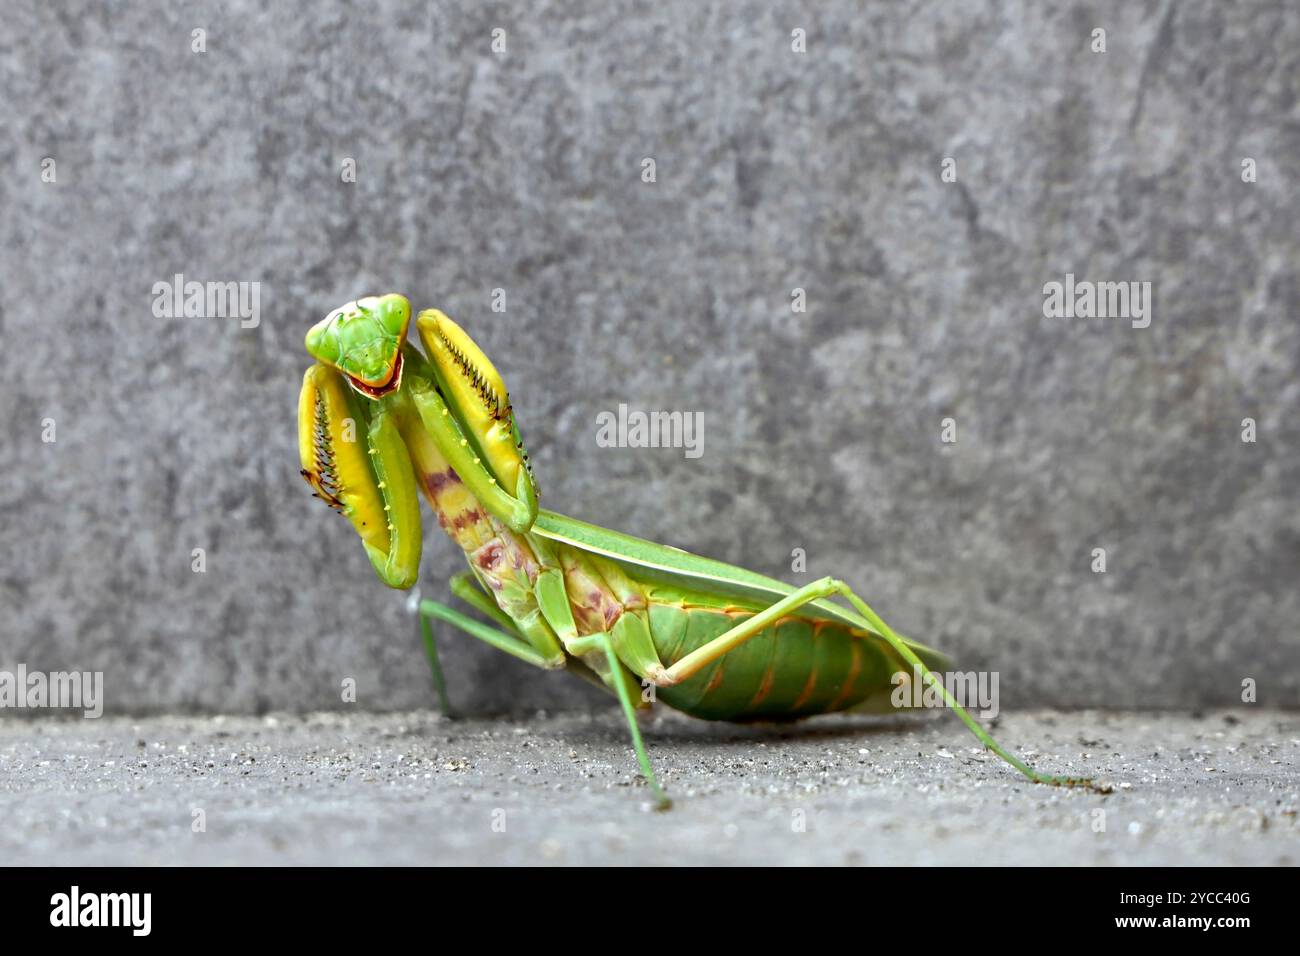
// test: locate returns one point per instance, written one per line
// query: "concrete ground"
(416, 788)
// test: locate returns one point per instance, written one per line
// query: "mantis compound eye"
(363, 340)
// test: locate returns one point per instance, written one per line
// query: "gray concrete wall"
(775, 170)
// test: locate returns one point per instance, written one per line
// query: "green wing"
(668, 565)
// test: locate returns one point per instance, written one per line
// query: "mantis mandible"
(380, 422)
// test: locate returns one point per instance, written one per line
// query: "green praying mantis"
(381, 422)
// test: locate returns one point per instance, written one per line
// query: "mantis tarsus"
(380, 422)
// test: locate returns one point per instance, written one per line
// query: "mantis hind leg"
(828, 587)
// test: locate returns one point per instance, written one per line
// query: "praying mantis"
(381, 423)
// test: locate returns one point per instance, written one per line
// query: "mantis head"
(363, 340)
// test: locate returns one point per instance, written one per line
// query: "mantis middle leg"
(515, 645)
(507, 637)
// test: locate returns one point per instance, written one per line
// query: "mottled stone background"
(775, 170)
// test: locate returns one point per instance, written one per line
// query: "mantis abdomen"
(794, 668)
(797, 665)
